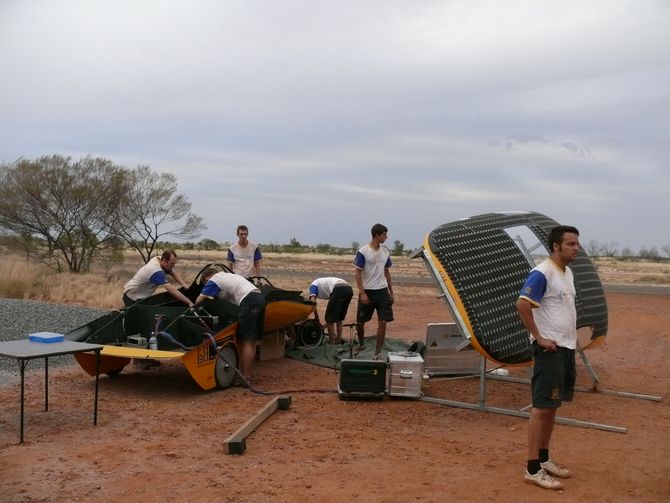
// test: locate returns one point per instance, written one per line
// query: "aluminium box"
(405, 374)
(448, 352)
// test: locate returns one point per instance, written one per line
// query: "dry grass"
(614, 271)
(20, 280)
(102, 288)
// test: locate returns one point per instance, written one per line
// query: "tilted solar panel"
(484, 269)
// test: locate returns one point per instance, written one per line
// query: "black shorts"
(338, 304)
(554, 375)
(379, 300)
(251, 317)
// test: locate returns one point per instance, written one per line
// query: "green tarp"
(327, 355)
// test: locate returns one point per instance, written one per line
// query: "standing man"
(242, 293)
(375, 291)
(244, 257)
(546, 306)
(152, 275)
(339, 294)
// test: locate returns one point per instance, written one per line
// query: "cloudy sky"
(313, 120)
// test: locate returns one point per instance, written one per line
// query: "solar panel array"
(488, 269)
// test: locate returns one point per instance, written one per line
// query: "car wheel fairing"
(224, 373)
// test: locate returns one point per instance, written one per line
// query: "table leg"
(97, 378)
(22, 367)
(46, 383)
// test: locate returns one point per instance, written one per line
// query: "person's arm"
(387, 274)
(363, 297)
(316, 312)
(230, 260)
(177, 277)
(177, 294)
(257, 268)
(525, 310)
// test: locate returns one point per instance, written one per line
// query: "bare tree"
(68, 206)
(150, 209)
(594, 248)
(610, 249)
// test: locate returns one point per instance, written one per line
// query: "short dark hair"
(241, 228)
(556, 235)
(206, 274)
(378, 229)
(168, 254)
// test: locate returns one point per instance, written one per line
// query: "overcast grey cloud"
(314, 120)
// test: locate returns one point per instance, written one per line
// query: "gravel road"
(23, 317)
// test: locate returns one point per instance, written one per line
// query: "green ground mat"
(330, 355)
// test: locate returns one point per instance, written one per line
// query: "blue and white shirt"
(150, 276)
(322, 288)
(372, 264)
(227, 286)
(243, 258)
(552, 293)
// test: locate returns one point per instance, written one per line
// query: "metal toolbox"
(448, 352)
(405, 374)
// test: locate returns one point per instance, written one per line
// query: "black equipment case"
(362, 379)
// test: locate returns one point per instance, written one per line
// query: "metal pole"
(22, 368)
(584, 389)
(46, 383)
(97, 379)
(482, 381)
(498, 410)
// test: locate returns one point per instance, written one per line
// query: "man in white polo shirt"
(241, 292)
(375, 290)
(244, 257)
(546, 306)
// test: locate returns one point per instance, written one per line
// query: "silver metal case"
(405, 374)
(448, 352)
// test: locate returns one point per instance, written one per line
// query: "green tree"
(323, 248)
(67, 205)
(150, 209)
(398, 247)
(208, 244)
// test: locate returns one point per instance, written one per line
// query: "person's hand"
(547, 345)
(363, 297)
(392, 298)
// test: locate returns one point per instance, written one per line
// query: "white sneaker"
(542, 479)
(557, 471)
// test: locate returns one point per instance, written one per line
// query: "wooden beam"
(235, 444)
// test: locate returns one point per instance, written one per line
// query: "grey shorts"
(554, 376)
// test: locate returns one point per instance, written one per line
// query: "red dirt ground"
(159, 438)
